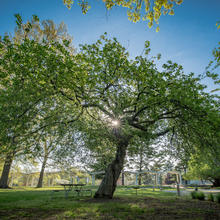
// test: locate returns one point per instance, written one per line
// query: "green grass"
(31, 203)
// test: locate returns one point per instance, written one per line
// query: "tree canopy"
(101, 89)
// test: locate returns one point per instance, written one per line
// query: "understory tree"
(140, 155)
(46, 145)
(205, 165)
(19, 102)
(52, 147)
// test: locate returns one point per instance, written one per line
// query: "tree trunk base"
(102, 196)
(5, 172)
(109, 182)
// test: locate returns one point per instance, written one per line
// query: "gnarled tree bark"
(109, 182)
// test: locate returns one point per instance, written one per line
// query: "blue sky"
(187, 38)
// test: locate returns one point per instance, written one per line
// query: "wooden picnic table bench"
(77, 188)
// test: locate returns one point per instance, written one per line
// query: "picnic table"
(77, 188)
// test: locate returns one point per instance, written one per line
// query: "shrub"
(194, 194)
(211, 197)
(200, 196)
(218, 197)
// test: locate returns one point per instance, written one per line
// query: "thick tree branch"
(55, 123)
(27, 109)
(88, 105)
(162, 133)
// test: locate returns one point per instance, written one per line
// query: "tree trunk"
(6, 171)
(41, 177)
(139, 179)
(216, 182)
(32, 181)
(140, 166)
(12, 179)
(186, 182)
(122, 178)
(27, 180)
(52, 181)
(109, 182)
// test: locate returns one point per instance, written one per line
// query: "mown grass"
(31, 203)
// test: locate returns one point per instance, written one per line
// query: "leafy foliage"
(21, 98)
(149, 10)
(204, 164)
(214, 65)
(193, 194)
(211, 197)
(200, 196)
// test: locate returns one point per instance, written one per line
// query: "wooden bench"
(82, 191)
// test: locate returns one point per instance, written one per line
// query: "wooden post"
(136, 182)
(178, 184)
(93, 180)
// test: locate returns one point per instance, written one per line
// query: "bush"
(210, 197)
(200, 196)
(218, 197)
(194, 194)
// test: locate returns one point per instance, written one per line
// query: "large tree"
(132, 98)
(105, 90)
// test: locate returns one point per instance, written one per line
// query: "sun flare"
(115, 123)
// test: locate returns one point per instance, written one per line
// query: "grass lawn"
(30, 203)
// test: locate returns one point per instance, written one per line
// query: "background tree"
(19, 109)
(178, 151)
(50, 147)
(140, 154)
(204, 164)
(47, 145)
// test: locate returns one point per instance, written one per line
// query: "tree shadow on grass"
(120, 207)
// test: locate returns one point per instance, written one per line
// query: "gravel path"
(188, 191)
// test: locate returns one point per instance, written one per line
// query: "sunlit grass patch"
(31, 203)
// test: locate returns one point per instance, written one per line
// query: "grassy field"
(30, 203)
